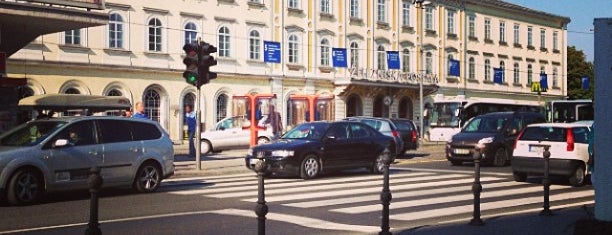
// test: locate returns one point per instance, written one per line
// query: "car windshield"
(485, 124)
(30, 133)
(307, 131)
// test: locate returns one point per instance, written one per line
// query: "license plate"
(461, 151)
(536, 149)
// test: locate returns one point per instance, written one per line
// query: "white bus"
(448, 116)
(569, 110)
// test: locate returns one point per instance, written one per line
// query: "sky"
(581, 12)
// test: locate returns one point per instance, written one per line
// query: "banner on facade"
(339, 57)
(543, 82)
(454, 68)
(393, 61)
(498, 76)
(535, 87)
(272, 52)
(585, 83)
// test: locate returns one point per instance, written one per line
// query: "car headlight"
(250, 152)
(282, 153)
(487, 140)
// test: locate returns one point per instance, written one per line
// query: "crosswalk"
(418, 195)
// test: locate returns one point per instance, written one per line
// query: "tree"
(578, 67)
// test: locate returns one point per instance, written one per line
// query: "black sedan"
(316, 147)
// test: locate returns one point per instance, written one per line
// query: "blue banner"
(453, 68)
(339, 57)
(272, 52)
(585, 83)
(498, 75)
(393, 61)
(543, 82)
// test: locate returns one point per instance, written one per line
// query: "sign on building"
(272, 52)
(339, 57)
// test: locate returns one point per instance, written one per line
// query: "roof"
(63, 102)
(561, 125)
(519, 9)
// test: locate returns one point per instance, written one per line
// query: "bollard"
(385, 195)
(262, 209)
(95, 182)
(476, 189)
(546, 182)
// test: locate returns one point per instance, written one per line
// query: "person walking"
(190, 119)
(140, 111)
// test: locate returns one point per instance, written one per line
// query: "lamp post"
(419, 5)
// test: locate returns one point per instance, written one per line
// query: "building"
(395, 53)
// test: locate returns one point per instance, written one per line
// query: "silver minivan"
(56, 154)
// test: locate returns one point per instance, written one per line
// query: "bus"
(448, 116)
(569, 110)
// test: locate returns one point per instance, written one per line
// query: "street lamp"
(419, 5)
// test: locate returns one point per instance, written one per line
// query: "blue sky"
(581, 12)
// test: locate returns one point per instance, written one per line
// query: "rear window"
(403, 126)
(555, 134)
(145, 131)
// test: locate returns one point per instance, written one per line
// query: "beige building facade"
(139, 55)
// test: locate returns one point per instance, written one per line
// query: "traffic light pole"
(198, 130)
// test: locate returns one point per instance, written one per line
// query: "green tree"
(578, 67)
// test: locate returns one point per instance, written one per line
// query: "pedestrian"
(140, 111)
(190, 119)
(276, 121)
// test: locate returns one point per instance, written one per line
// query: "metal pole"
(95, 182)
(421, 75)
(546, 182)
(261, 209)
(198, 131)
(385, 195)
(476, 189)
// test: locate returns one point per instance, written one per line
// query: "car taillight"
(414, 136)
(395, 133)
(569, 136)
(519, 137)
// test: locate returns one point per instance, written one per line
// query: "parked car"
(568, 151)
(313, 148)
(408, 132)
(494, 134)
(56, 154)
(233, 133)
(384, 126)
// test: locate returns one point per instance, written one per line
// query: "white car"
(234, 133)
(568, 151)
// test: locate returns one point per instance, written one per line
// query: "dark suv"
(384, 126)
(493, 133)
(408, 132)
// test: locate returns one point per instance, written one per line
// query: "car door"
(337, 146)
(120, 150)
(363, 145)
(71, 163)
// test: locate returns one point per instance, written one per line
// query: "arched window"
(428, 63)
(406, 60)
(115, 31)
(221, 107)
(381, 57)
(517, 76)
(325, 52)
(472, 70)
(293, 49)
(354, 63)
(254, 45)
(114, 92)
(155, 35)
(224, 42)
(191, 32)
(24, 91)
(487, 68)
(152, 104)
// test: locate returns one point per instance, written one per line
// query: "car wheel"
(263, 140)
(148, 178)
(519, 177)
(310, 167)
(25, 187)
(456, 163)
(577, 179)
(206, 147)
(500, 158)
(378, 166)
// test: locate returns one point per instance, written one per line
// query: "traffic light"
(191, 63)
(206, 60)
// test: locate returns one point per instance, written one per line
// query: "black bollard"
(476, 189)
(262, 209)
(546, 182)
(95, 182)
(385, 195)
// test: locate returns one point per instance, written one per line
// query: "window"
(224, 42)
(254, 45)
(428, 63)
(555, 83)
(155, 35)
(472, 26)
(115, 31)
(144, 131)
(381, 55)
(72, 37)
(406, 13)
(406, 60)
(516, 73)
(529, 36)
(115, 131)
(354, 9)
(487, 69)
(472, 69)
(529, 74)
(325, 52)
(429, 24)
(354, 49)
(555, 40)
(294, 4)
(487, 29)
(79, 134)
(381, 10)
(502, 31)
(542, 38)
(325, 8)
(191, 33)
(502, 66)
(448, 65)
(221, 107)
(450, 22)
(517, 36)
(293, 49)
(152, 103)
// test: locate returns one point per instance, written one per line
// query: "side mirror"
(456, 112)
(330, 138)
(60, 143)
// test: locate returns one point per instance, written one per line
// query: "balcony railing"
(89, 4)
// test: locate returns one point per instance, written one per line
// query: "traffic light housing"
(206, 60)
(191, 63)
